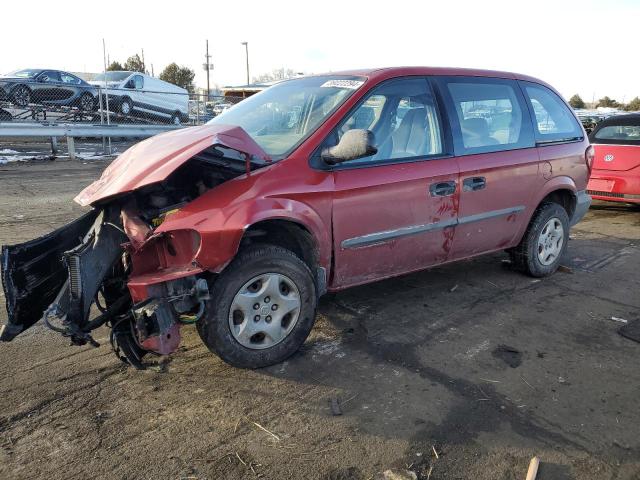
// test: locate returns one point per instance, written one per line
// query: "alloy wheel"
(86, 102)
(22, 96)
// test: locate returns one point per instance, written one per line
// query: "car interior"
(402, 116)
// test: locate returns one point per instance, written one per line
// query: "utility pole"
(207, 67)
(246, 49)
(144, 67)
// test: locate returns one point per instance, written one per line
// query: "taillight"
(589, 155)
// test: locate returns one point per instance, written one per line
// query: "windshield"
(111, 76)
(29, 73)
(282, 116)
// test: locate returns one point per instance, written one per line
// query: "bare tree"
(275, 75)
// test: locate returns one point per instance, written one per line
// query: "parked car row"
(131, 94)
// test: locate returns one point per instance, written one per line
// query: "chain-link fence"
(115, 98)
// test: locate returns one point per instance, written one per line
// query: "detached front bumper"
(59, 274)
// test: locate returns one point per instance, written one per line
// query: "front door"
(49, 88)
(395, 211)
(497, 158)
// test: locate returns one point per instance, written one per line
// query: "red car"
(616, 168)
(316, 184)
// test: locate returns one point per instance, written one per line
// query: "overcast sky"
(586, 47)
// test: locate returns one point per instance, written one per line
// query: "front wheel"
(262, 308)
(22, 96)
(541, 249)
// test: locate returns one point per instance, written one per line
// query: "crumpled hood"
(154, 159)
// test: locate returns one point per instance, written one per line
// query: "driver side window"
(49, 77)
(402, 116)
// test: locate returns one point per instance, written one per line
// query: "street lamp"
(246, 49)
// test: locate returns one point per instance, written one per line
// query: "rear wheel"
(175, 119)
(22, 96)
(262, 308)
(126, 106)
(541, 249)
(87, 102)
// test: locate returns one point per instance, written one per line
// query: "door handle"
(472, 184)
(442, 189)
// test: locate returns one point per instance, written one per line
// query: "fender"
(221, 229)
(556, 183)
(282, 208)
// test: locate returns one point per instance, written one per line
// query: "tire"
(540, 252)
(126, 106)
(263, 262)
(21, 96)
(175, 119)
(87, 103)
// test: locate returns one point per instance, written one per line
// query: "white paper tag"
(350, 84)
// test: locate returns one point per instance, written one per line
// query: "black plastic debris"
(631, 331)
(334, 404)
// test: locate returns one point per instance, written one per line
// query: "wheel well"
(286, 234)
(565, 198)
(21, 85)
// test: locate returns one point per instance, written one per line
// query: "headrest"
(475, 127)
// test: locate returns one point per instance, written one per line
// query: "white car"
(221, 108)
(140, 95)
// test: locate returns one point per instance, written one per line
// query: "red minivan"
(317, 184)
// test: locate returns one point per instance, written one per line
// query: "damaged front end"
(145, 282)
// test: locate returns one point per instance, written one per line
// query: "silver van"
(140, 95)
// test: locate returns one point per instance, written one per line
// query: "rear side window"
(70, 79)
(138, 81)
(490, 114)
(554, 121)
(618, 135)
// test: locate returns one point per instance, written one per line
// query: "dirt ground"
(480, 364)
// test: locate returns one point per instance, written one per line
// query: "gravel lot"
(480, 364)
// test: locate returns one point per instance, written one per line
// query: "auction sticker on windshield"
(351, 84)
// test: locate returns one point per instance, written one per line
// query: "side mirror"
(354, 144)
(129, 84)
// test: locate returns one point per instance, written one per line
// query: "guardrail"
(71, 131)
(80, 130)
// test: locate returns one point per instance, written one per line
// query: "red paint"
(337, 205)
(618, 176)
(154, 159)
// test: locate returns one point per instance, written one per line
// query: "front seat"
(410, 139)
(475, 133)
